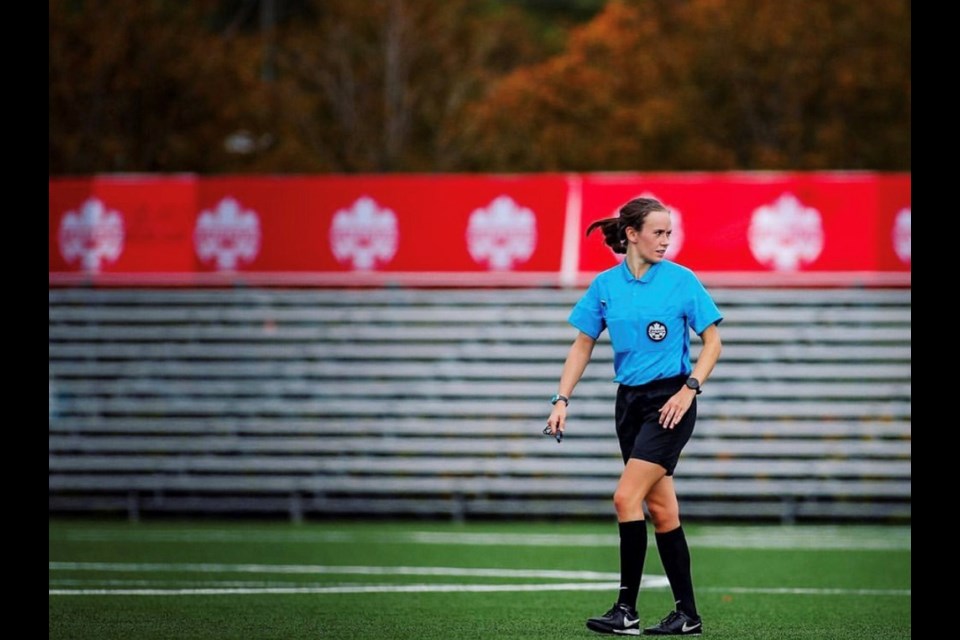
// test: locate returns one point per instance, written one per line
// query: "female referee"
(649, 305)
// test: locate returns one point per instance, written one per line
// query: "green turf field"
(426, 580)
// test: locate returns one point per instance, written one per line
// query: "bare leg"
(637, 478)
(636, 481)
(663, 505)
(672, 544)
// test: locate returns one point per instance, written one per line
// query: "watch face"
(693, 383)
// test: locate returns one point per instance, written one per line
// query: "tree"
(382, 85)
(803, 85)
(146, 86)
(284, 86)
(710, 85)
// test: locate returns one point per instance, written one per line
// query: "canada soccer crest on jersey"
(656, 331)
(901, 235)
(501, 234)
(227, 235)
(91, 236)
(364, 235)
(786, 235)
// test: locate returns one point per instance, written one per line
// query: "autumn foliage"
(477, 85)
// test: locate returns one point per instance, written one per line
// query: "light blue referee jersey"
(649, 319)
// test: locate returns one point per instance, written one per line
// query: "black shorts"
(637, 416)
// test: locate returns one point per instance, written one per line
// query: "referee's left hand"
(676, 407)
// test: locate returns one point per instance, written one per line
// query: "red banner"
(777, 227)
(742, 228)
(893, 223)
(122, 224)
(391, 224)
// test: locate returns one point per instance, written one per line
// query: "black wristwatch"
(557, 398)
(694, 384)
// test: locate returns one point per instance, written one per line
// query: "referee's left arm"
(709, 354)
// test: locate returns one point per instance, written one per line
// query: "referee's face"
(654, 237)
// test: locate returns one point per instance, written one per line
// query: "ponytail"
(632, 214)
(614, 233)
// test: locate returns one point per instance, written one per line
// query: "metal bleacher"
(430, 402)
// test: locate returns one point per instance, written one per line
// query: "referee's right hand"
(558, 418)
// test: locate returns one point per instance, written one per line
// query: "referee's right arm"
(576, 363)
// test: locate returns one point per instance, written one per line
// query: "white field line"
(449, 588)
(590, 581)
(808, 591)
(747, 537)
(99, 583)
(401, 588)
(140, 567)
(648, 582)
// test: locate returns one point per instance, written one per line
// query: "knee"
(624, 502)
(664, 516)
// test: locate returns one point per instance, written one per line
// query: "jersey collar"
(646, 278)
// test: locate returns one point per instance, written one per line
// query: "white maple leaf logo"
(229, 234)
(93, 235)
(901, 234)
(786, 235)
(501, 234)
(364, 234)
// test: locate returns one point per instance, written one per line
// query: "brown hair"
(632, 214)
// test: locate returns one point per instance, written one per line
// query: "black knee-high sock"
(675, 556)
(633, 551)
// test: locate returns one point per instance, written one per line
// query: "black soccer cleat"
(677, 623)
(621, 619)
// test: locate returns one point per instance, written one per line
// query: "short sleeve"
(587, 314)
(702, 311)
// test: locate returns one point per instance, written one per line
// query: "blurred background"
(315, 259)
